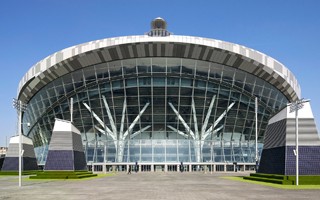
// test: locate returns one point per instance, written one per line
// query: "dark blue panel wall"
(272, 161)
(281, 160)
(59, 160)
(79, 161)
(65, 160)
(1, 162)
(309, 160)
(29, 164)
(12, 164)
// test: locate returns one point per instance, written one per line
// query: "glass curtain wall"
(157, 110)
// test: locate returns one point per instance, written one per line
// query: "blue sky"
(287, 30)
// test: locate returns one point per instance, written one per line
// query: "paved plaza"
(139, 186)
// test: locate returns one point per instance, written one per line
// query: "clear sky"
(287, 30)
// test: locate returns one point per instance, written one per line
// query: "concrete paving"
(151, 185)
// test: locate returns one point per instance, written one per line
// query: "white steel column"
(123, 116)
(20, 145)
(205, 124)
(195, 121)
(256, 117)
(188, 130)
(140, 131)
(113, 126)
(297, 148)
(197, 137)
(71, 110)
(135, 121)
(21, 107)
(294, 107)
(220, 117)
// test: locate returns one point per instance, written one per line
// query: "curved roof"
(109, 49)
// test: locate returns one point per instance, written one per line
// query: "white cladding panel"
(63, 125)
(305, 113)
(90, 46)
(25, 140)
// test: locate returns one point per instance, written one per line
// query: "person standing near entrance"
(129, 169)
(136, 167)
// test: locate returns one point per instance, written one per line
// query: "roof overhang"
(141, 46)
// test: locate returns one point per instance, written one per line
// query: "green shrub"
(284, 180)
(63, 175)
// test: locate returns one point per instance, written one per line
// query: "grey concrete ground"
(153, 185)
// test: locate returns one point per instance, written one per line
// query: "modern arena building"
(157, 100)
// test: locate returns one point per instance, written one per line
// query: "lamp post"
(256, 124)
(211, 154)
(294, 107)
(20, 107)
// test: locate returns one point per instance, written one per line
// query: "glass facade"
(158, 110)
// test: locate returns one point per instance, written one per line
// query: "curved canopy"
(105, 50)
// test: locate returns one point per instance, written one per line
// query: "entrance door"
(172, 168)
